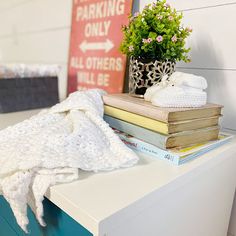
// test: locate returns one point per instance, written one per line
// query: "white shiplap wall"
(37, 31)
(213, 49)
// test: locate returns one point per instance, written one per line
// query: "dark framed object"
(17, 94)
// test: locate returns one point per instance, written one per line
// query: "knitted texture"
(179, 90)
(179, 97)
(50, 147)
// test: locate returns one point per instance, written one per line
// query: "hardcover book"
(141, 107)
(160, 126)
(174, 156)
(183, 139)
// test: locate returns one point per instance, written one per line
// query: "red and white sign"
(95, 60)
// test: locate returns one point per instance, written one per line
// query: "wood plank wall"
(213, 49)
(36, 31)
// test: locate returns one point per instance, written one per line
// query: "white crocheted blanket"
(50, 147)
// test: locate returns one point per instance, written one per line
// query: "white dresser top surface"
(98, 199)
(8, 119)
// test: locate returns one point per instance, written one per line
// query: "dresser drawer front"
(58, 222)
(5, 229)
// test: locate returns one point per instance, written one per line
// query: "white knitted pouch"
(180, 90)
(179, 97)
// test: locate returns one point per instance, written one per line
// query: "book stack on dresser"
(158, 130)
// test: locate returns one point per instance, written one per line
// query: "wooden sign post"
(95, 60)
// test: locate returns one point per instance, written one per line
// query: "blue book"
(175, 156)
(183, 139)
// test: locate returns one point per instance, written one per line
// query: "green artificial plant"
(156, 33)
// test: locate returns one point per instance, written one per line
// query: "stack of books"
(174, 134)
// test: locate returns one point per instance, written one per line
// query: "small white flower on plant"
(159, 38)
(131, 48)
(189, 29)
(174, 38)
(171, 18)
(159, 17)
(166, 5)
(148, 40)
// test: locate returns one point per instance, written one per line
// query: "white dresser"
(153, 198)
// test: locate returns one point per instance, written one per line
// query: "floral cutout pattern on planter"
(144, 73)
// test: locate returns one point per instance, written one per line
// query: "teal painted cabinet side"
(5, 228)
(58, 222)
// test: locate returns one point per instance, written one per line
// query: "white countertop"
(101, 199)
(8, 119)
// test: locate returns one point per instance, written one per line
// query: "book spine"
(143, 147)
(132, 106)
(135, 119)
(146, 135)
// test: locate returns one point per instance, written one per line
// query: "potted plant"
(154, 40)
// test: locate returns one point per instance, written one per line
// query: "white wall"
(42, 36)
(213, 49)
(37, 31)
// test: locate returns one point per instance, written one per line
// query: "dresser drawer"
(5, 229)
(58, 222)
